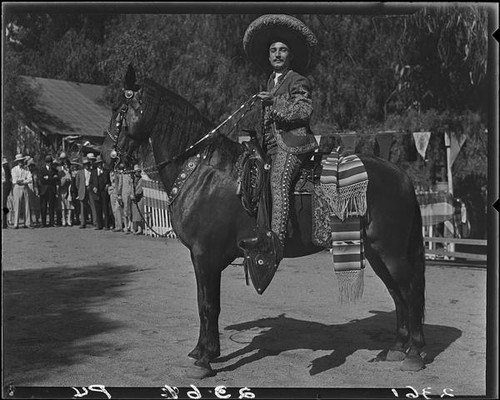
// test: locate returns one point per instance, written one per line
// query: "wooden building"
(73, 116)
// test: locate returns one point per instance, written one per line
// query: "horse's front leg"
(208, 280)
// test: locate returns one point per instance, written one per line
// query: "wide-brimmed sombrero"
(291, 30)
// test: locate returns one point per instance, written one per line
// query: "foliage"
(425, 70)
(19, 103)
(446, 51)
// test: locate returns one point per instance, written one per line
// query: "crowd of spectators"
(77, 192)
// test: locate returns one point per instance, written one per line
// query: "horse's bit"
(120, 118)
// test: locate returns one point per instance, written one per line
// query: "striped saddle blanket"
(338, 203)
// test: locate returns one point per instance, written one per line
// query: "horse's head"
(130, 124)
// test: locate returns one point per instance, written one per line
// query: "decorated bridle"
(119, 153)
(121, 118)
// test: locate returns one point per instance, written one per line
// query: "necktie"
(276, 78)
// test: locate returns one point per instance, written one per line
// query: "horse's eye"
(129, 94)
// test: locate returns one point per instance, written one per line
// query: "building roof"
(70, 108)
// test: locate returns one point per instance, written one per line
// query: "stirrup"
(263, 254)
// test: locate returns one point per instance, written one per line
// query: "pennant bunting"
(384, 140)
(349, 143)
(421, 142)
(456, 143)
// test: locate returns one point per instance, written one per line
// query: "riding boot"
(263, 254)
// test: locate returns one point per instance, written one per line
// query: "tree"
(19, 107)
(58, 46)
(446, 49)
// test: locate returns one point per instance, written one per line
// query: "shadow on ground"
(50, 317)
(280, 334)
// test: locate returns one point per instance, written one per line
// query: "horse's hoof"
(200, 372)
(413, 363)
(195, 355)
(395, 355)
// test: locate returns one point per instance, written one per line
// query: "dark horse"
(210, 221)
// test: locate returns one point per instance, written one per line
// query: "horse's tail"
(417, 259)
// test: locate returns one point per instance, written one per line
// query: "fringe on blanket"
(351, 285)
(352, 200)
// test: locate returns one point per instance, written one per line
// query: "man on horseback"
(283, 44)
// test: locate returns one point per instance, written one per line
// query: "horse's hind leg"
(397, 351)
(414, 297)
(405, 281)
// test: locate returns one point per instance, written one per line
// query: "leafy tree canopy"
(424, 70)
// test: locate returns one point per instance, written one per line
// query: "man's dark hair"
(275, 39)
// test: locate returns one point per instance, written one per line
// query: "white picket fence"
(156, 212)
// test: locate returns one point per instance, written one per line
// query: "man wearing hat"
(283, 46)
(6, 188)
(82, 181)
(75, 167)
(49, 178)
(91, 157)
(98, 187)
(34, 192)
(21, 177)
(115, 197)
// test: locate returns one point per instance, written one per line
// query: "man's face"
(279, 56)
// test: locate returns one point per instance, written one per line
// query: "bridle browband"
(121, 117)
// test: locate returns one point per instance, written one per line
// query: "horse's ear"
(129, 82)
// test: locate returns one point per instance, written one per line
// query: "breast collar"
(186, 171)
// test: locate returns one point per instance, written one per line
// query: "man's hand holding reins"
(266, 97)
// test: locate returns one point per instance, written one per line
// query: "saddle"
(337, 185)
(253, 171)
(263, 251)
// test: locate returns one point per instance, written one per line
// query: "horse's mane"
(182, 116)
(181, 119)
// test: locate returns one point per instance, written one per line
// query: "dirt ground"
(86, 307)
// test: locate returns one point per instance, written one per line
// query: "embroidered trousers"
(284, 169)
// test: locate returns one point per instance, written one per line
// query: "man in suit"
(283, 45)
(6, 189)
(75, 167)
(82, 182)
(49, 178)
(98, 187)
(91, 157)
(21, 177)
(34, 192)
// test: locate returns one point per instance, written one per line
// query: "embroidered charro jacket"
(286, 121)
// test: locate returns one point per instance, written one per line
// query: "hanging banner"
(384, 140)
(421, 142)
(435, 207)
(456, 144)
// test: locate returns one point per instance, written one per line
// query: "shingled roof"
(70, 108)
